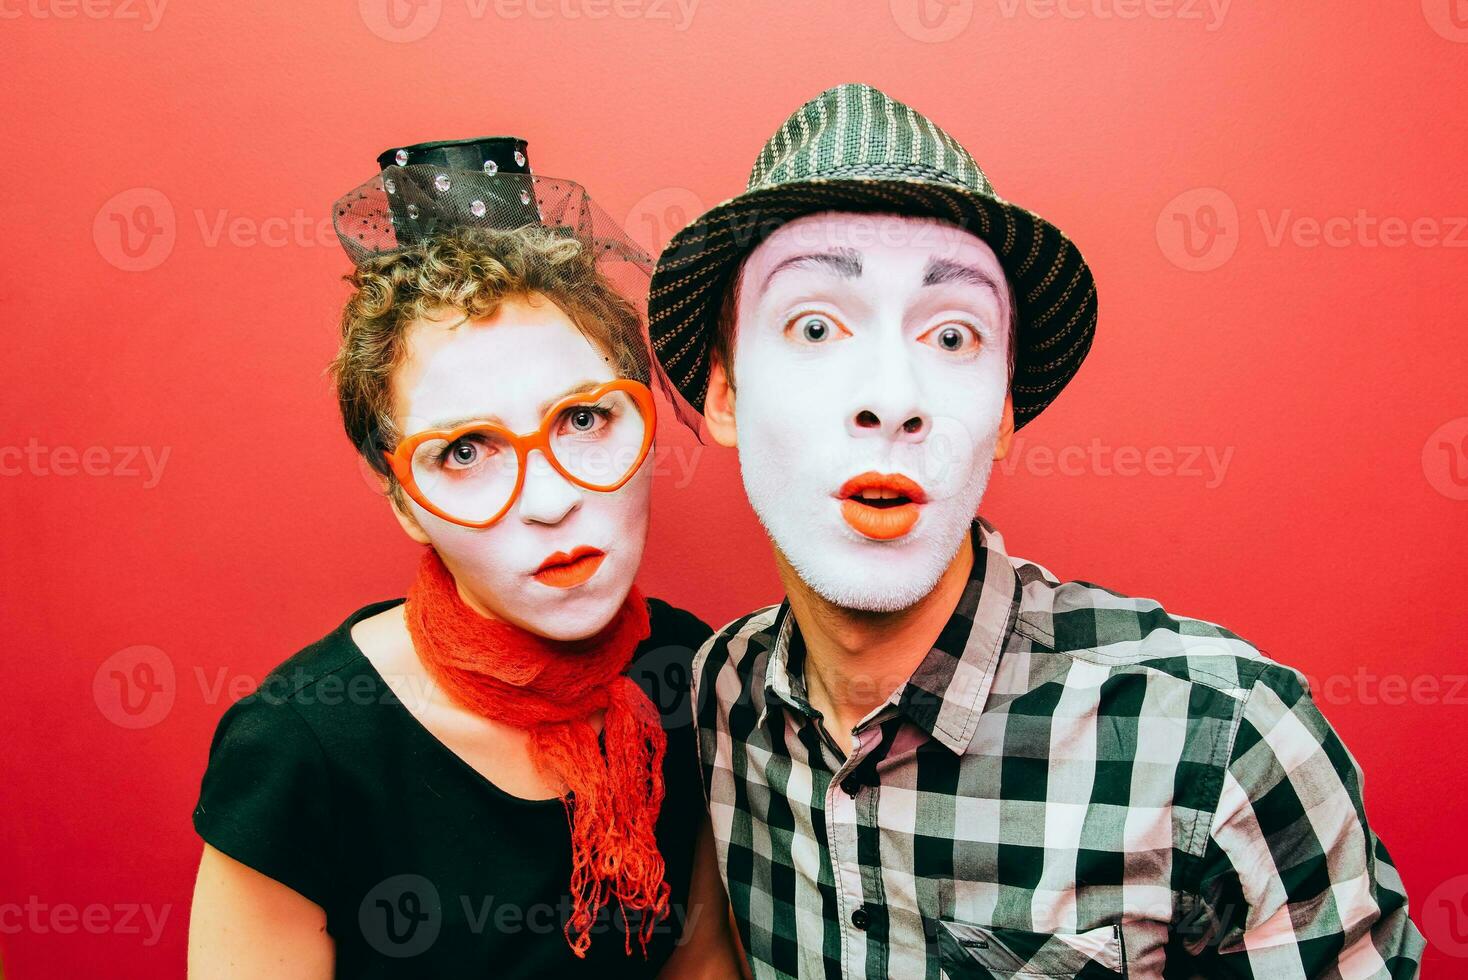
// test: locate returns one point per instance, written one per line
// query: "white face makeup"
(870, 372)
(510, 368)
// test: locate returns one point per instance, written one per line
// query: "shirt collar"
(946, 693)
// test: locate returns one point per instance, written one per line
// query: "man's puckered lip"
(894, 482)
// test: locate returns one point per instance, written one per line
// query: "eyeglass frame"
(400, 459)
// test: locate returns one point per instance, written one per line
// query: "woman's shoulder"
(663, 663)
(672, 626)
(288, 699)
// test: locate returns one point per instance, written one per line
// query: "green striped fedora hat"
(852, 148)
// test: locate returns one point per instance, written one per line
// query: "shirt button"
(859, 917)
(850, 786)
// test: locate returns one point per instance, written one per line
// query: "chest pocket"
(974, 952)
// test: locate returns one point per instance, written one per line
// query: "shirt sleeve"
(1295, 883)
(264, 796)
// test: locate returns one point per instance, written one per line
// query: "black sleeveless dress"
(324, 781)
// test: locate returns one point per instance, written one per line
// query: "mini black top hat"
(428, 188)
(491, 154)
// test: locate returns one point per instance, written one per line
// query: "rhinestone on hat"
(491, 168)
(412, 210)
(477, 208)
(519, 158)
(401, 157)
(524, 197)
(391, 187)
(441, 183)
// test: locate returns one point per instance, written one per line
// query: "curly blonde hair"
(472, 271)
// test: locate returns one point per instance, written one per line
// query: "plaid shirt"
(1072, 783)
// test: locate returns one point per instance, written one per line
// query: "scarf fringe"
(552, 690)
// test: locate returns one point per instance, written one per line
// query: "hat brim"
(1053, 287)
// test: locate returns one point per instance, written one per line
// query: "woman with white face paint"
(497, 773)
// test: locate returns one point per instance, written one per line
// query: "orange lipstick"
(881, 506)
(563, 571)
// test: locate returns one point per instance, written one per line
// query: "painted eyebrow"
(545, 406)
(844, 262)
(942, 270)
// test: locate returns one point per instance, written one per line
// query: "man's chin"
(867, 576)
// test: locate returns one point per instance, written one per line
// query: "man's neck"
(854, 660)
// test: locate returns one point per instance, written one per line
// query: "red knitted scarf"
(552, 689)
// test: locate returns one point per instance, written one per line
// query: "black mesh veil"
(487, 184)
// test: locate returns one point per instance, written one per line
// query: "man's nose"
(547, 497)
(889, 399)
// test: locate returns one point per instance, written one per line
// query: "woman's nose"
(547, 497)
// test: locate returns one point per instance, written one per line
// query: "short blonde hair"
(469, 270)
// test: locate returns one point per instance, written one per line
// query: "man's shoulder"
(1096, 624)
(740, 644)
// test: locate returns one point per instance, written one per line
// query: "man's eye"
(955, 338)
(815, 328)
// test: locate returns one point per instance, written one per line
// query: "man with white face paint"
(934, 759)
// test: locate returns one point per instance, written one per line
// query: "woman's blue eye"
(815, 329)
(585, 419)
(462, 453)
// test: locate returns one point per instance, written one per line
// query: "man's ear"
(1006, 428)
(718, 406)
(399, 503)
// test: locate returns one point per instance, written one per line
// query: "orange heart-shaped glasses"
(401, 458)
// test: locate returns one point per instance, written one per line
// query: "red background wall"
(1229, 171)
